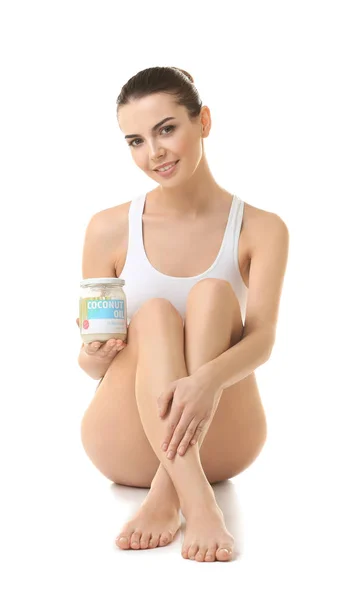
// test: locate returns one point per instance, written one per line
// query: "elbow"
(269, 342)
(269, 349)
(267, 354)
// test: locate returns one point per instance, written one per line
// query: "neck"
(196, 196)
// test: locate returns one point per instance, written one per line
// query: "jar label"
(102, 315)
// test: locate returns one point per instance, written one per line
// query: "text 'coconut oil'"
(102, 309)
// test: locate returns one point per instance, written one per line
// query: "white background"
(276, 77)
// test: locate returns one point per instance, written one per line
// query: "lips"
(166, 165)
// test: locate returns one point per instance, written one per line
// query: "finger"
(178, 435)
(77, 321)
(110, 348)
(172, 423)
(117, 346)
(192, 429)
(198, 433)
(92, 347)
(163, 405)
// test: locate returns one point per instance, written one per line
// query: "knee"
(221, 293)
(153, 309)
(212, 283)
(218, 290)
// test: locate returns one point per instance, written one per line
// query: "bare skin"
(188, 212)
(160, 510)
(157, 520)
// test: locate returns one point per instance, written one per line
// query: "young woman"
(204, 274)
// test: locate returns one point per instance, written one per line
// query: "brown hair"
(168, 80)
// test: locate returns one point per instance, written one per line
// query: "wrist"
(92, 365)
(208, 374)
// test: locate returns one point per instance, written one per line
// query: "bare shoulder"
(262, 225)
(114, 218)
(110, 226)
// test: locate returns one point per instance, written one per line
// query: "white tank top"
(143, 281)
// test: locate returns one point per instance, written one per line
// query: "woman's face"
(177, 139)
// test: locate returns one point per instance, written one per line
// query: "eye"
(171, 127)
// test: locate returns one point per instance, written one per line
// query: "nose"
(155, 153)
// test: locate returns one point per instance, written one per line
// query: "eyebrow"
(153, 128)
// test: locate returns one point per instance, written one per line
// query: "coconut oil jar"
(102, 309)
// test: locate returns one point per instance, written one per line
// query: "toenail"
(122, 539)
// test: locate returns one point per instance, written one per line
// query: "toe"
(165, 538)
(210, 555)
(184, 551)
(123, 540)
(135, 540)
(224, 552)
(201, 553)
(154, 541)
(193, 551)
(145, 540)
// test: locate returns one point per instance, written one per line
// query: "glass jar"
(102, 309)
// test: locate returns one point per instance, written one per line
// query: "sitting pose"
(203, 275)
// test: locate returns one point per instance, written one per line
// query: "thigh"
(114, 439)
(237, 432)
(112, 433)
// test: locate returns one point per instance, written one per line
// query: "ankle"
(198, 502)
(164, 497)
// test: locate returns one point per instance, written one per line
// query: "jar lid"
(99, 280)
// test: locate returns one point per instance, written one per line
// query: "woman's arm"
(98, 261)
(94, 366)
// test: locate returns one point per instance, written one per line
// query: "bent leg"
(208, 334)
(161, 360)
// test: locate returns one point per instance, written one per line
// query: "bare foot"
(155, 524)
(206, 537)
